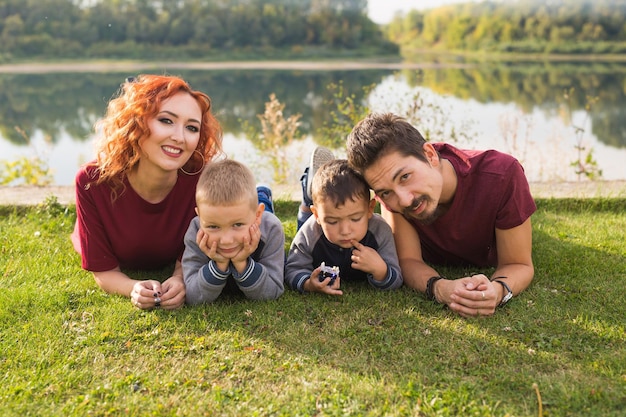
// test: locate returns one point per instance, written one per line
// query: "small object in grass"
(328, 271)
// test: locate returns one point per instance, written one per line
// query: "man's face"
(407, 185)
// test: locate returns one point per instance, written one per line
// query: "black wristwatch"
(508, 293)
(430, 287)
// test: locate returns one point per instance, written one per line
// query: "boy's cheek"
(209, 239)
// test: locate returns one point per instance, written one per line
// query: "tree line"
(187, 28)
(522, 26)
(261, 29)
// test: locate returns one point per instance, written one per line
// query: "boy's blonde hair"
(226, 182)
(336, 181)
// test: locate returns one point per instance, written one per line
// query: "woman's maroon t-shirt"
(130, 232)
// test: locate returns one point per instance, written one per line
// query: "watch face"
(506, 298)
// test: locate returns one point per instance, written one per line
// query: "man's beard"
(425, 218)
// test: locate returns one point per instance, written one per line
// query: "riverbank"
(410, 60)
(32, 195)
(117, 66)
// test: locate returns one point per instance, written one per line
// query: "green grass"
(68, 349)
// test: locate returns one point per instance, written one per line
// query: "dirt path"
(106, 66)
(31, 195)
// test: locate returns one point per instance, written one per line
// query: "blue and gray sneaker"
(319, 157)
(265, 196)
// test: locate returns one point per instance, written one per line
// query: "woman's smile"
(172, 151)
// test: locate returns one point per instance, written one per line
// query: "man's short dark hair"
(379, 134)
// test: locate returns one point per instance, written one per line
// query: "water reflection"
(547, 86)
(53, 114)
(547, 146)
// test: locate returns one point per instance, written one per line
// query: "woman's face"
(174, 133)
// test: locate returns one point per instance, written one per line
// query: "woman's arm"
(143, 294)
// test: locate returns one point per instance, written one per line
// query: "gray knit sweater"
(310, 248)
(263, 278)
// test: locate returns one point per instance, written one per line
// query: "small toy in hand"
(328, 271)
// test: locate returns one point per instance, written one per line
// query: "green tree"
(520, 26)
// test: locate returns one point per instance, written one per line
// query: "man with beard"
(452, 207)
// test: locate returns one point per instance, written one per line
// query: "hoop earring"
(201, 166)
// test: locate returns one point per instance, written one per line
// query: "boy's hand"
(313, 284)
(368, 260)
(210, 250)
(250, 244)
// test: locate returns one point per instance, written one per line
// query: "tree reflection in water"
(64, 106)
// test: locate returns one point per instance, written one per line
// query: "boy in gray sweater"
(344, 232)
(232, 241)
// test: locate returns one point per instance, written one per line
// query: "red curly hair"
(126, 123)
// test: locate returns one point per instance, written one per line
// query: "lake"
(553, 116)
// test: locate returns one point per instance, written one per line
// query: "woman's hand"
(173, 293)
(146, 294)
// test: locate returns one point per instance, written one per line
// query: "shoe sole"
(319, 157)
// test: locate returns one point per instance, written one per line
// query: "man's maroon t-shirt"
(130, 232)
(492, 192)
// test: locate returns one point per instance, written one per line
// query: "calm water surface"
(549, 115)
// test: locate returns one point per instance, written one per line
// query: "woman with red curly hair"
(136, 200)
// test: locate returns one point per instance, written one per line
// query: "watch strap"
(430, 287)
(508, 294)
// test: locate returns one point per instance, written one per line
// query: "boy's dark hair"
(379, 134)
(336, 181)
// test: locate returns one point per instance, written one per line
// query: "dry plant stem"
(539, 402)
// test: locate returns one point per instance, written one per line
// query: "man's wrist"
(507, 294)
(430, 287)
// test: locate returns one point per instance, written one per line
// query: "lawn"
(559, 349)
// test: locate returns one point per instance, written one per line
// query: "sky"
(382, 11)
